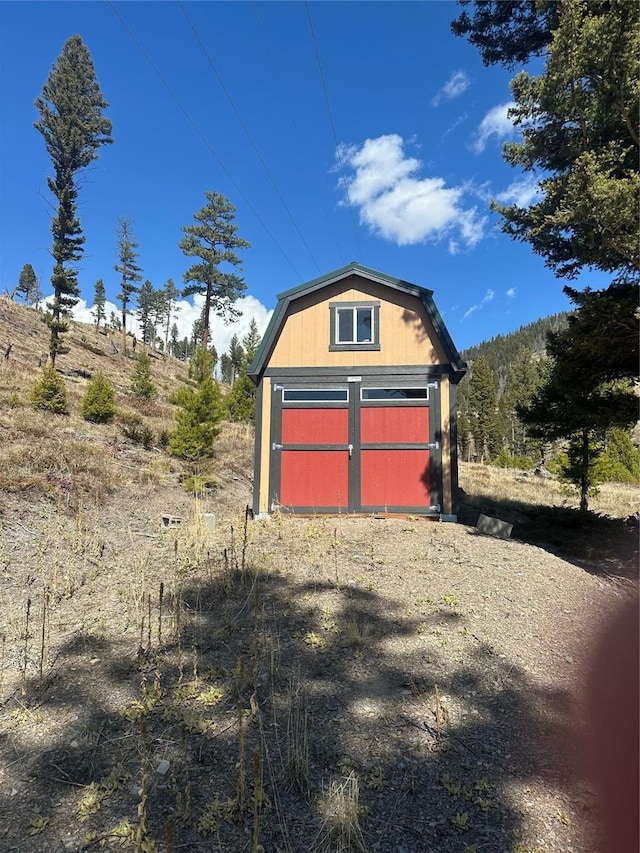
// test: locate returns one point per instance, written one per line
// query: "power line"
(333, 128)
(203, 138)
(296, 129)
(248, 134)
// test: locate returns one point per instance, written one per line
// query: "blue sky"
(279, 107)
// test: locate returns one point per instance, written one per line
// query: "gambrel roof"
(286, 298)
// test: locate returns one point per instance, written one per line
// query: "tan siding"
(265, 446)
(406, 333)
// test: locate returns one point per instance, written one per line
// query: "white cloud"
(489, 295)
(511, 292)
(495, 123)
(221, 333)
(521, 192)
(400, 207)
(455, 86)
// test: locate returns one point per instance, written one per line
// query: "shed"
(356, 400)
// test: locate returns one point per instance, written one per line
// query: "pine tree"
(146, 298)
(141, 382)
(507, 33)
(49, 392)
(174, 341)
(251, 342)
(213, 239)
(198, 413)
(28, 285)
(236, 357)
(578, 408)
(240, 402)
(579, 124)
(483, 402)
(226, 369)
(169, 309)
(129, 270)
(73, 126)
(99, 301)
(99, 401)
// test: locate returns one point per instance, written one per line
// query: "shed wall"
(406, 333)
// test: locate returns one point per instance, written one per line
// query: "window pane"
(345, 325)
(314, 394)
(394, 393)
(365, 325)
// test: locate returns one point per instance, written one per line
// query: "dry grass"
(340, 684)
(514, 486)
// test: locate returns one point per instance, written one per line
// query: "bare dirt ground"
(288, 684)
(326, 683)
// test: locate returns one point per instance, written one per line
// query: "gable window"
(355, 325)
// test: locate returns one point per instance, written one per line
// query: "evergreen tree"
(99, 401)
(620, 461)
(169, 309)
(507, 33)
(198, 413)
(483, 402)
(49, 392)
(197, 331)
(129, 270)
(115, 322)
(73, 126)
(226, 369)
(236, 356)
(28, 285)
(146, 298)
(213, 239)
(578, 408)
(240, 402)
(579, 130)
(174, 342)
(99, 300)
(579, 124)
(523, 380)
(156, 316)
(141, 382)
(251, 342)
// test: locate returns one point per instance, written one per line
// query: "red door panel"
(314, 478)
(394, 424)
(399, 478)
(315, 426)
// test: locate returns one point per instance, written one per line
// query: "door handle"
(350, 449)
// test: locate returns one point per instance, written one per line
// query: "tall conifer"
(73, 126)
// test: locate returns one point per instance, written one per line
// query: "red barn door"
(354, 448)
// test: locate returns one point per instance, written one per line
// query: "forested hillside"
(504, 373)
(501, 351)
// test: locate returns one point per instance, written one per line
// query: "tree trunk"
(584, 474)
(205, 317)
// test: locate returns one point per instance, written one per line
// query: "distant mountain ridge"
(502, 350)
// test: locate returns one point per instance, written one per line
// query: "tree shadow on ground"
(250, 706)
(599, 544)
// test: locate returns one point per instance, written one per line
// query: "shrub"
(141, 384)
(99, 402)
(197, 418)
(134, 428)
(506, 459)
(620, 461)
(14, 400)
(240, 402)
(49, 392)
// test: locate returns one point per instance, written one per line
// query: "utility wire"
(296, 129)
(333, 128)
(248, 134)
(203, 138)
